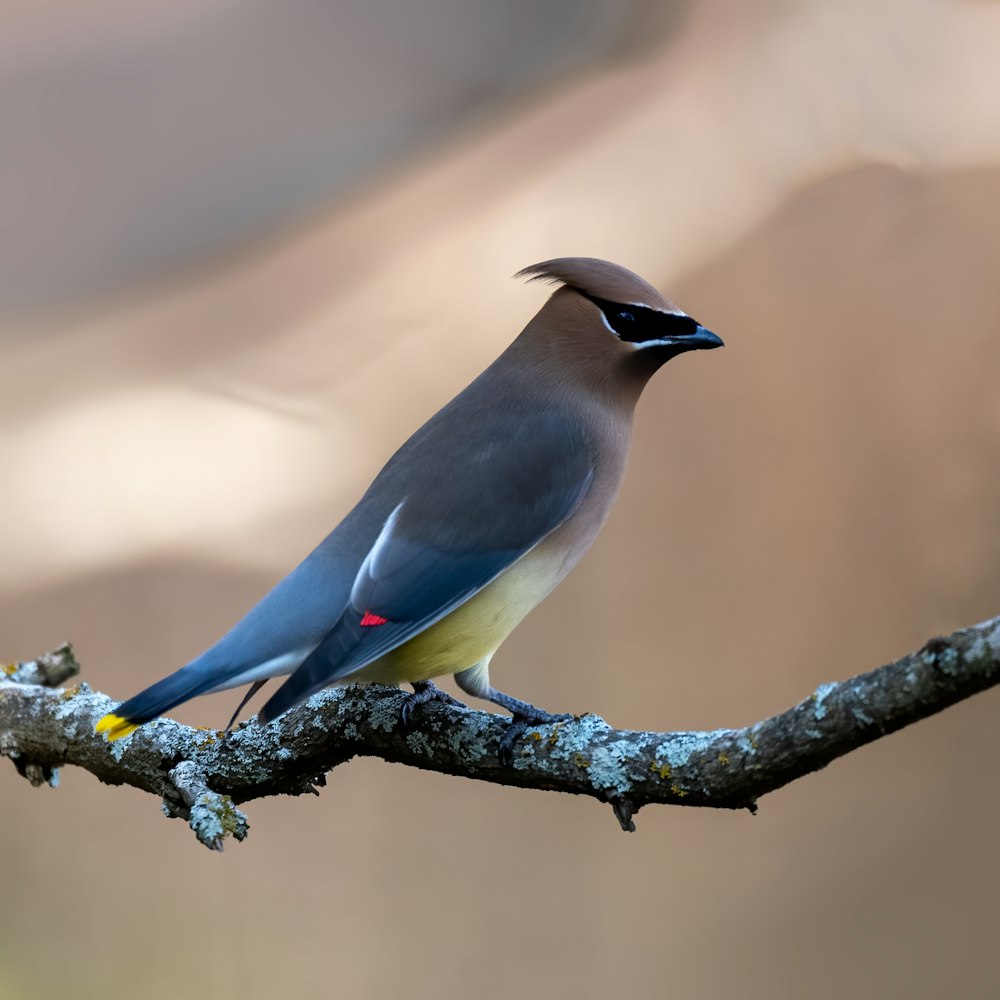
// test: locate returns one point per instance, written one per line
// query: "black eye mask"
(637, 324)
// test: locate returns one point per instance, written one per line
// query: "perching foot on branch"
(423, 692)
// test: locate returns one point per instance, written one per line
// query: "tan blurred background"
(248, 247)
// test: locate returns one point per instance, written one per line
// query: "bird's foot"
(521, 722)
(423, 692)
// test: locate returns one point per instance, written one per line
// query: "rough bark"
(204, 775)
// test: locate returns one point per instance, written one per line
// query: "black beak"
(704, 340)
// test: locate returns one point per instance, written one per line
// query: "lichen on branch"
(204, 776)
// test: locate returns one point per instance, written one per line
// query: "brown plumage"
(473, 521)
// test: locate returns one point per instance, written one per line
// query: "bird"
(470, 524)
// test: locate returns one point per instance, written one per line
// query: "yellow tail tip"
(115, 727)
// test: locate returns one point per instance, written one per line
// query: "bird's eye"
(627, 316)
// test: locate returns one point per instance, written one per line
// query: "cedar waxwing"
(470, 524)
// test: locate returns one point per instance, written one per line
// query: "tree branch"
(203, 775)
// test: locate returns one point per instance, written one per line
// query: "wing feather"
(459, 525)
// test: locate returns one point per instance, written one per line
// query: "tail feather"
(115, 726)
(160, 697)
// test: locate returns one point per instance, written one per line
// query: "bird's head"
(611, 311)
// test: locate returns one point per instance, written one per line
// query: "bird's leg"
(475, 681)
(254, 688)
(423, 692)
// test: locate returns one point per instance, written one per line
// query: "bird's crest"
(599, 279)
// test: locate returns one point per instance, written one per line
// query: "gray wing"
(461, 520)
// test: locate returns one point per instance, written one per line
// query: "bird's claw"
(423, 692)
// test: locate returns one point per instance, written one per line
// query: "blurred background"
(249, 246)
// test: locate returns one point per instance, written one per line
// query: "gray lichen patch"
(255, 740)
(678, 749)
(981, 650)
(71, 701)
(861, 716)
(819, 697)
(939, 654)
(214, 817)
(120, 746)
(384, 715)
(171, 739)
(313, 712)
(419, 744)
(609, 767)
(565, 739)
(993, 639)
(584, 744)
(472, 741)
(211, 816)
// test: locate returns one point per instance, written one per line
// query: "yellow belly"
(473, 631)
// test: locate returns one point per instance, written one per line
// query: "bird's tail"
(180, 686)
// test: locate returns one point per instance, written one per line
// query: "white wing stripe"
(364, 573)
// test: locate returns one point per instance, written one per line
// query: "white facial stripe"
(662, 312)
(604, 320)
